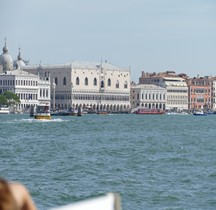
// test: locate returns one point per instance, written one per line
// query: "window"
(117, 84)
(77, 81)
(95, 82)
(102, 84)
(86, 81)
(125, 85)
(109, 82)
(64, 81)
(56, 81)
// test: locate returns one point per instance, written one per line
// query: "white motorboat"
(4, 110)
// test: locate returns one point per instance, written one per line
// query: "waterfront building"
(176, 88)
(30, 88)
(87, 85)
(148, 96)
(200, 93)
(213, 93)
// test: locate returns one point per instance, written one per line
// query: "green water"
(154, 162)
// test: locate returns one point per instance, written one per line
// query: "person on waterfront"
(15, 196)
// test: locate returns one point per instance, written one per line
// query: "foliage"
(3, 100)
(9, 98)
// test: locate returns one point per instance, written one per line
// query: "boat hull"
(151, 113)
(146, 111)
(4, 110)
(41, 117)
(102, 112)
(200, 114)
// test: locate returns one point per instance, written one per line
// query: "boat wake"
(32, 120)
(48, 121)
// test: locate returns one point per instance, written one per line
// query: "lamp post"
(54, 87)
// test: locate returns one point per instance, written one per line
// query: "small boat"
(104, 112)
(76, 112)
(200, 113)
(4, 110)
(149, 111)
(42, 112)
(177, 113)
(59, 113)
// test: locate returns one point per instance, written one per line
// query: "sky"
(143, 35)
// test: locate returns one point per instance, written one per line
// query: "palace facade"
(87, 85)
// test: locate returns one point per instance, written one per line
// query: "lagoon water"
(154, 162)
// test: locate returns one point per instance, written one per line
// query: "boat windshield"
(42, 109)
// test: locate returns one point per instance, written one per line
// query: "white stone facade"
(87, 84)
(30, 89)
(149, 96)
(177, 93)
(176, 87)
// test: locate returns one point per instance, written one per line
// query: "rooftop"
(80, 65)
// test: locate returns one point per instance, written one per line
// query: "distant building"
(200, 93)
(148, 96)
(30, 88)
(213, 93)
(87, 84)
(176, 88)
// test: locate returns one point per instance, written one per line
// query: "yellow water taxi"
(42, 112)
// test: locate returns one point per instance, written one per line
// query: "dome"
(19, 63)
(5, 49)
(6, 61)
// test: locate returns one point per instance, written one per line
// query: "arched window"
(95, 82)
(77, 81)
(126, 85)
(64, 81)
(102, 84)
(109, 82)
(86, 81)
(56, 81)
(117, 84)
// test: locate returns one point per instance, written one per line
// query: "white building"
(30, 88)
(149, 96)
(176, 86)
(87, 84)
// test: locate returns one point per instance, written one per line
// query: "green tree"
(11, 98)
(3, 100)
